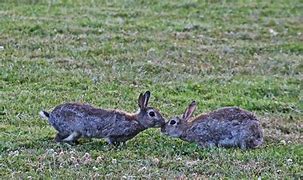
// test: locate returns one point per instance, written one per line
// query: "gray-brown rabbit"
(73, 121)
(226, 127)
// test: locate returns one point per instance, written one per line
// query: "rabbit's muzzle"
(163, 129)
(160, 123)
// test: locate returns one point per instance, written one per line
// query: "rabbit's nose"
(162, 123)
(163, 129)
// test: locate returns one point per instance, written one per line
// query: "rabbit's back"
(226, 127)
(227, 114)
(87, 120)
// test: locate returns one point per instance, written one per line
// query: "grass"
(220, 53)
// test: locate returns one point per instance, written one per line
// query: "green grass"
(220, 53)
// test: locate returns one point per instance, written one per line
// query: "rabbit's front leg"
(243, 144)
(206, 145)
(112, 141)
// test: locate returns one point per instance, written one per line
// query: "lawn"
(219, 53)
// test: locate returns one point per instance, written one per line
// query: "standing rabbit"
(73, 121)
(226, 127)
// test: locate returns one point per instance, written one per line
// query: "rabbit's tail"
(258, 142)
(44, 114)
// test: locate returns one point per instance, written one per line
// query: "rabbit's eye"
(172, 122)
(151, 114)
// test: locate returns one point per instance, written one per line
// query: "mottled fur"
(73, 121)
(226, 127)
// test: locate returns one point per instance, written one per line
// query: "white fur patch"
(41, 113)
(138, 111)
(108, 141)
(71, 137)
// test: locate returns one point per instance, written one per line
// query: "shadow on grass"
(165, 147)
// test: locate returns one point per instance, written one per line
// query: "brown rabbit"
(73, 121)
(226, 127)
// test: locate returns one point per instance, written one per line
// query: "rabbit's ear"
(143, 100)
(146, 98)
(189, 111)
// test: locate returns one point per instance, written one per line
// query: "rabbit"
(225, 127)
(73, 121)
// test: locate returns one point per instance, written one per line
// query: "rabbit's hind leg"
(59, 137)
(72, 138)
(227, 142)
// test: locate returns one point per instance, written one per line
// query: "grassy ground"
(220, 53)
